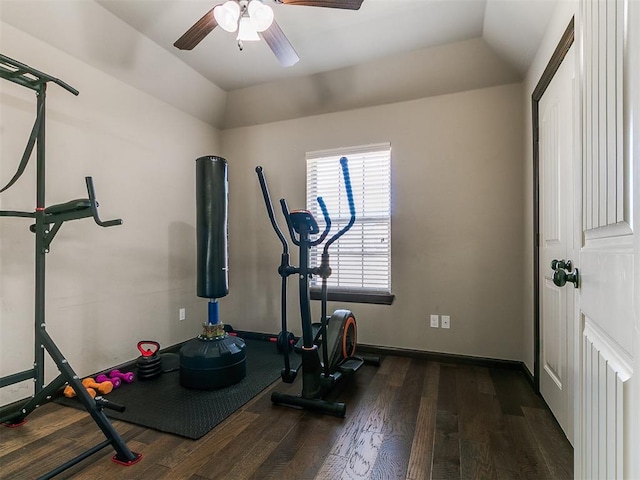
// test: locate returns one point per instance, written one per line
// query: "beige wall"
(107, 288)
(456, 222)
(558, 24)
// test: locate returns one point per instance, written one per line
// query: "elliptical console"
(336, 335)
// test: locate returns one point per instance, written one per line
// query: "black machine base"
(336, 409)
(348, 367)
(207, 364)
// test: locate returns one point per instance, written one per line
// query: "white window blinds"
(360, 259)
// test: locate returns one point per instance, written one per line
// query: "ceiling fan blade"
(280, 45)
(345, 4)
(197, 32)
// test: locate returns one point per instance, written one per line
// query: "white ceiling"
(328, 39)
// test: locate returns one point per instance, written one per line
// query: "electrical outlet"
(434, 321)
(446, 321)
(182, 314)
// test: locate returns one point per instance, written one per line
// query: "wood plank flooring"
(408, 419)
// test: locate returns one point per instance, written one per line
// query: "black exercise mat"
(162, 404)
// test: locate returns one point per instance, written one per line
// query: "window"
(360, 259)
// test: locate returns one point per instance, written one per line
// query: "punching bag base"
(207, 364)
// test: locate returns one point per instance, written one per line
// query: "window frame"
(354, 294)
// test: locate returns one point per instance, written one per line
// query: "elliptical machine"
(336, 335)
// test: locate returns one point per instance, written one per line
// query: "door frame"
(552, 67)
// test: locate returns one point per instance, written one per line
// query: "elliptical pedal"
(350, 365)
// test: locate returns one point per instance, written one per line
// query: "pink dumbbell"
(127, 376)
(103, 378)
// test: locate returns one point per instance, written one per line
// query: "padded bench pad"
(70, 206)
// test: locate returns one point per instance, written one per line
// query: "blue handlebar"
(327, 221)
(352, 207)
(344, 163)
(323, 207)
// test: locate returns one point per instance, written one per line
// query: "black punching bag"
(213, 359)
(212, 191)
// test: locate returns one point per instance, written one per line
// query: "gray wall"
(456, 221)
(107, 288)
(454, 67)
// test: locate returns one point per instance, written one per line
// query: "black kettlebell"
(149, 364)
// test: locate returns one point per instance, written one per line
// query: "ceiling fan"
(250, 18)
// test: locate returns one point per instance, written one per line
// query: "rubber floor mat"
(164, 405)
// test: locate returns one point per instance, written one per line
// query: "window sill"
(355, 296)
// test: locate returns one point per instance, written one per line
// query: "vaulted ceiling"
(388, 50)
(329, 38)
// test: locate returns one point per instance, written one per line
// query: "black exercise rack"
(48, 221)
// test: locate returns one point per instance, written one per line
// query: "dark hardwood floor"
(408, 419)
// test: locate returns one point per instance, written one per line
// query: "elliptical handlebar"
(344, 163)
(288, 374)
(270, 212)
(327, 222)
(287, 217)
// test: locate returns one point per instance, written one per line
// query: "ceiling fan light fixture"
(261, 15)
(246, 31)
(227, 15)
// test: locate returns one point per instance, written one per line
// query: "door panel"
(607, 413)
(553, 338)
(607, 289)
(556, 155)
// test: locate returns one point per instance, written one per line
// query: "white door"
(556, 155)
(609, 420)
